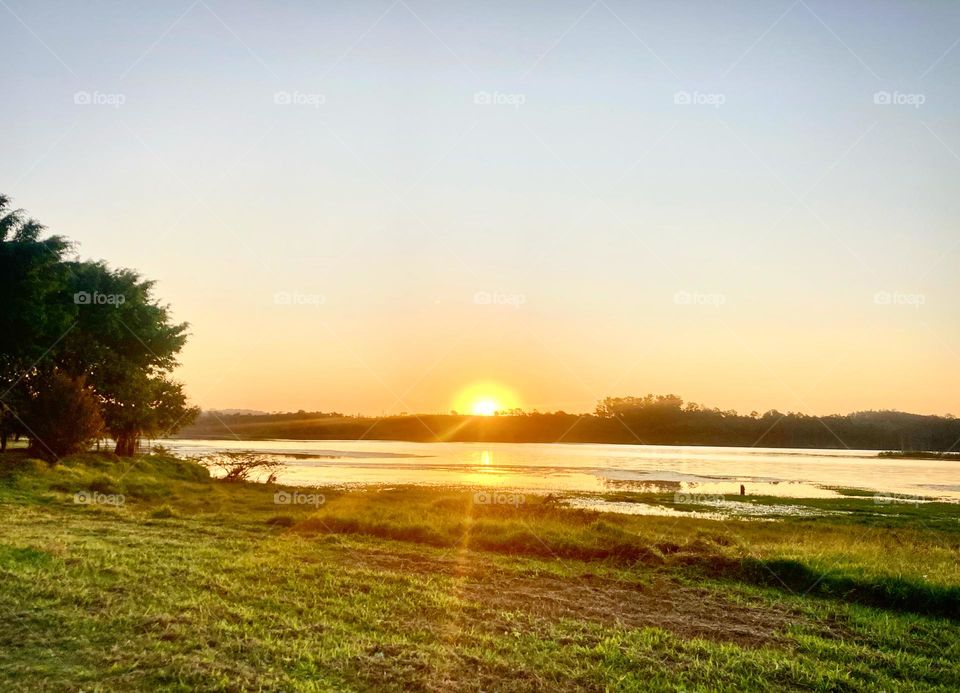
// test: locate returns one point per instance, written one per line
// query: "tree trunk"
(3, 441)
(126, 444)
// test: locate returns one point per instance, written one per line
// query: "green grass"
(194, 584)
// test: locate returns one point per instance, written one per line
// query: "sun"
(485, 399)
(485, 407)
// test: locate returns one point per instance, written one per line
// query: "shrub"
(63, 417)
(242, 466)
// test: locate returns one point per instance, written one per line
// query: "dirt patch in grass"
(496, 593)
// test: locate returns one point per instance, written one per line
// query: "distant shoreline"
(888, 454)
(919, 455)
(264, 439)
(630, 421)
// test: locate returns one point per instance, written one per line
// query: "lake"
(593, 467)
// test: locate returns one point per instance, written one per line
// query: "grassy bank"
(167, 579)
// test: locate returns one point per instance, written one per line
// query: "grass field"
(195, 584)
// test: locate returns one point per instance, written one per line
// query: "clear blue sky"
(368, 206)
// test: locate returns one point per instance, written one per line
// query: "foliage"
(33, 284)
(63, 417)
(99, 325)
(34, 314)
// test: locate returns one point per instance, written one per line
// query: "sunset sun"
(485, 407)
(485, 399)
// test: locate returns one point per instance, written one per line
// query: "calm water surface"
(592, 467)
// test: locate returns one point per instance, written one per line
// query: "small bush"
(63, 417)
(242, 466)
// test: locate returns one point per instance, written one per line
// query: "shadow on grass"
(892, 593)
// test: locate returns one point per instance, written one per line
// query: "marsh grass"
(198, 584)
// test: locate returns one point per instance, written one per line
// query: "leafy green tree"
(143, 405)
(100, 326)
(126, 345)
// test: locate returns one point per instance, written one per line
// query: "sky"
(373, 207)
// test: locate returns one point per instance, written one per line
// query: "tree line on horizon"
(86, 352)
(650, 419)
